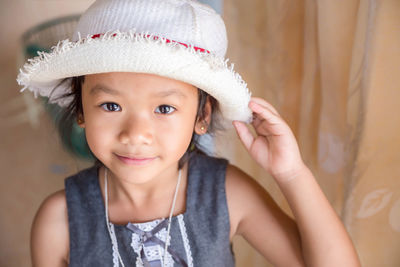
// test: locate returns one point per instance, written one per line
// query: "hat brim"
(141, 53)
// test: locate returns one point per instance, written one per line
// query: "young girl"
(145, 79)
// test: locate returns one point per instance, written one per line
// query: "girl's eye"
(110, 107)
(165, 109)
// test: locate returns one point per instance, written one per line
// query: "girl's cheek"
(176, 128)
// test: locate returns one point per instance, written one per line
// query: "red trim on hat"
(94, 36)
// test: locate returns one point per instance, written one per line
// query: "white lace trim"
(114, 241)
(185, 240)
(153, 252)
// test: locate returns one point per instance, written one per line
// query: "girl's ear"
(80, 121)
(202, 125)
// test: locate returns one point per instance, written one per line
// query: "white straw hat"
(179, 39)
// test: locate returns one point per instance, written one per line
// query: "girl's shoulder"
(240, 192)
(51, 223)
(246, 196)
(252, 210)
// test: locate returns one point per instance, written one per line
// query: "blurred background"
(331, 68)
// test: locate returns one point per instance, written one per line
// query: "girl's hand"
(274, 147)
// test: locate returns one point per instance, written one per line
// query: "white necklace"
(113, 240)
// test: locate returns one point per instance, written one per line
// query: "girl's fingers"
(256, 120)
(265, 104)
(266, 123)
(244, 134)
(264, 113)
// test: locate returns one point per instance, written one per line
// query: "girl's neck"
(141, 196)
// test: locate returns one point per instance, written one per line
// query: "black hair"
(66, 119)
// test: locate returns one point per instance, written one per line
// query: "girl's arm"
(318, 234)
(324, 239)
(49, 233)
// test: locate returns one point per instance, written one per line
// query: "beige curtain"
(332, 69)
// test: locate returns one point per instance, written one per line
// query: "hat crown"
(186, 21)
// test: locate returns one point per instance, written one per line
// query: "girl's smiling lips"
(137, 160)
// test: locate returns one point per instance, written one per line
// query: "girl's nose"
(136, 131)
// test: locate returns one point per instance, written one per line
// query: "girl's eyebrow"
(170, 92)
(103, 88)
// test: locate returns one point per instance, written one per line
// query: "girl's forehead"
(118, 83)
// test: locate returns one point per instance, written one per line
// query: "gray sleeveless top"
(199, 236)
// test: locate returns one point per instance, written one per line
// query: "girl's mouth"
(136, 160)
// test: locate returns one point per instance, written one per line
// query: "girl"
(145, 79)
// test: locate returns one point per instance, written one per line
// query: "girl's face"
(138, 125)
